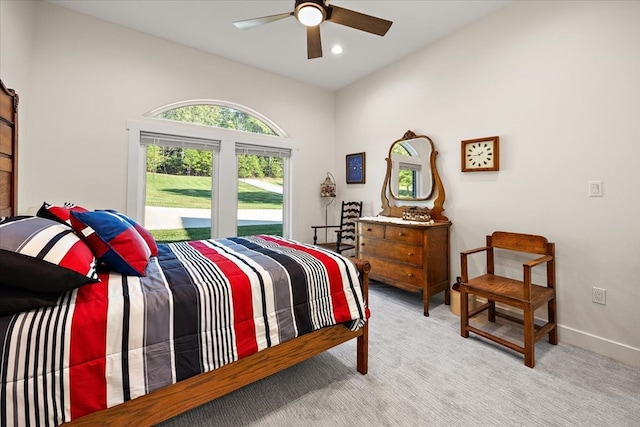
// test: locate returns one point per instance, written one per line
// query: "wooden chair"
(520, 294)
(346, 231)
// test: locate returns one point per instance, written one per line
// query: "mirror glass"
(411, 176)
(412, 179)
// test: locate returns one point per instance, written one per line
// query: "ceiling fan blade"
(358, 20)
(314, 43)
(250, 23)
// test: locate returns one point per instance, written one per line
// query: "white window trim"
(225, 165)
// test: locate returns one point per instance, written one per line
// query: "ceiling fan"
(311, 13)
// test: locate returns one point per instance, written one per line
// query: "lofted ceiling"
(280, 47)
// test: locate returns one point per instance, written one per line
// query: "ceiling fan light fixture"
(310, 13)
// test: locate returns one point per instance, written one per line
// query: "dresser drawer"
(401, 273)
(371, 230)
(403, 234)
(403, 252)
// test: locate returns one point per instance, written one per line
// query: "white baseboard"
(615, 350)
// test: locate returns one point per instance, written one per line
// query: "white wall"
(16, 42)
(559, 83)
(87, 77)
(16, 45)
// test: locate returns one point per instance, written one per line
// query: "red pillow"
(144, 233)
(59, 213)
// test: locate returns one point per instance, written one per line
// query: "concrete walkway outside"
(157, 218)
(274, 188)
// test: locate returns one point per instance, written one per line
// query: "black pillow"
(14, 301)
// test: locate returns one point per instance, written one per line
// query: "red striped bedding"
(202, 304)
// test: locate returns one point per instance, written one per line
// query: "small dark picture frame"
(356, 168)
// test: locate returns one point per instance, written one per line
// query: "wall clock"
(356, 168)
(481, 155)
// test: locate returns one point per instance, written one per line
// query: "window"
(179, 184)
(409, 170)
(221, 116)
(260, 172)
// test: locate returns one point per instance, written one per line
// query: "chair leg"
(492, 311)
(425, 303)
(464, 312)
(553, 334)
(529, 338)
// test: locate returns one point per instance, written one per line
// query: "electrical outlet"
(595, 188)
(599, 295)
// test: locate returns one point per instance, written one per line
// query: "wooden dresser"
(408, 255)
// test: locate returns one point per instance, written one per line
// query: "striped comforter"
(203, 304)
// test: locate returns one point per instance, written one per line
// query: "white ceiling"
(280, 47)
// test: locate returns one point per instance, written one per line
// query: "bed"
(202, 319)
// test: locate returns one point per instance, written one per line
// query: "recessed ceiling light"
(336, 49)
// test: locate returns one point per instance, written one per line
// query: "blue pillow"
(113, 241)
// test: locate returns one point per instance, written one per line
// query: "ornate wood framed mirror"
(412, 178)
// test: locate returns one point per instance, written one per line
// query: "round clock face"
(479, 155)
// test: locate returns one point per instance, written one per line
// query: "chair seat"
(501, 288)
(345, 247)
(328, 245)
(332, 246)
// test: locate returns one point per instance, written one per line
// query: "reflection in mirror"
(412, 179)
(411, 176)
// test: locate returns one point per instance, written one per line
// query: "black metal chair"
(345, 232)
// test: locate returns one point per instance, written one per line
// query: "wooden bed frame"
(175, 399)
(8, 151)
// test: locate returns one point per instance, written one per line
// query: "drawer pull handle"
(361, 244)
(401, 234)
(409, 274)
(369, 229)
(410, 254)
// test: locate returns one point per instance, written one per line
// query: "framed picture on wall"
(356, 168)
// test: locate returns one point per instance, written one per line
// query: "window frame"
(224, 198)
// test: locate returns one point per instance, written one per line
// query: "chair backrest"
(529, 243)
(351, 211)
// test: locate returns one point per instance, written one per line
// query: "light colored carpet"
(423, 373)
